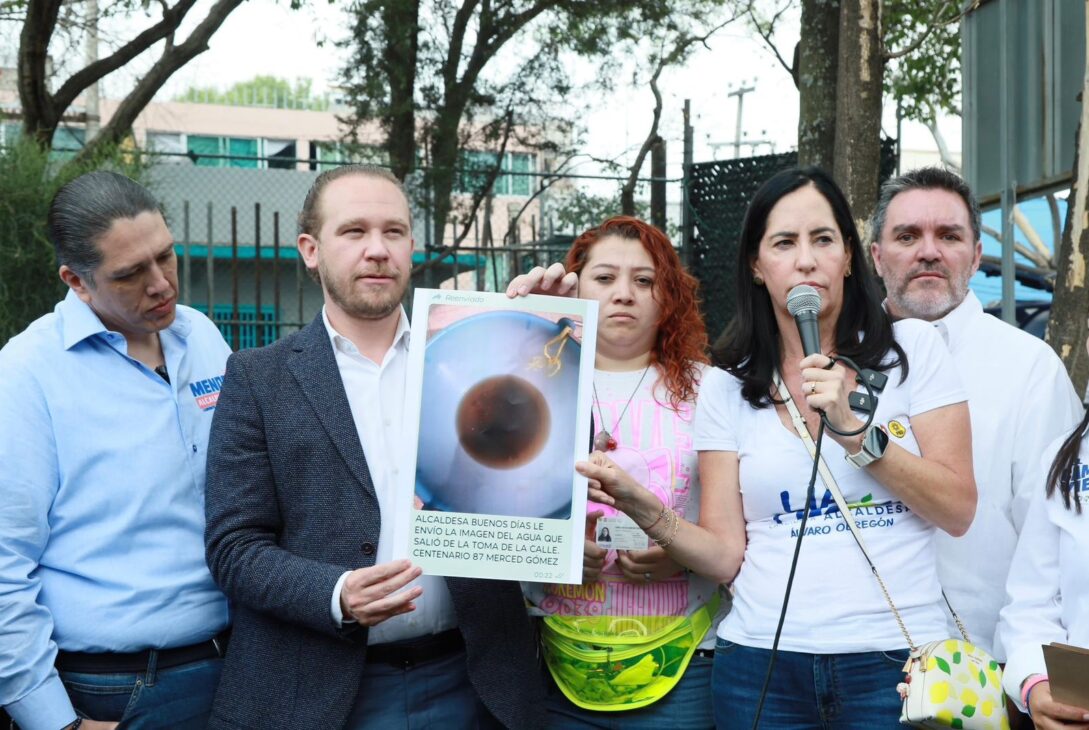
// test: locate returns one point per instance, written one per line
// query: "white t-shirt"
(836, 605)
(1020, 399)
(1048, 586)
(654, 445)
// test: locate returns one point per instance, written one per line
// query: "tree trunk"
(40, 118)
(402, 23)
(1066, 329)
(858, 107)
(818, 56)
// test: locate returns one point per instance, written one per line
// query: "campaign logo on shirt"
(206, 392)
(897, 429)
(867, 514)
(1079, 480)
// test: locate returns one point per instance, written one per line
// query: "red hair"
(681, 342)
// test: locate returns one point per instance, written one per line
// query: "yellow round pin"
(897, 429)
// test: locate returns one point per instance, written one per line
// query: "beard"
(358, 300)
(931, 301)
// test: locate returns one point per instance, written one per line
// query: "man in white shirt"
(302, 486)
(925, 242)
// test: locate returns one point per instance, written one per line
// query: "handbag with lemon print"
(949, 683)
(621, 662)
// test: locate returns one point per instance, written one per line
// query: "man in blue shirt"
(109, 611)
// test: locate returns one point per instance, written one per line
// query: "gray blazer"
(290, 507)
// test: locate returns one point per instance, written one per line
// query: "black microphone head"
(803, 299)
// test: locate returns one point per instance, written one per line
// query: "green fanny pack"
(613, 663)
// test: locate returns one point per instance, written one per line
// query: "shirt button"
(388, 422)
(194, 448)
(368, 548)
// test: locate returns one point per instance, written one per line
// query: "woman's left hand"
(647, 566)
(824, 389)
(610, 485)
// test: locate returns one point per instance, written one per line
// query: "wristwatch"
(874, 442)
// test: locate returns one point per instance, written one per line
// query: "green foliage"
(265, 91)
(29, 177)
(926, 80)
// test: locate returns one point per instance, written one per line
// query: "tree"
(674, 44)
(260, 90)
(904, 48)
(445, 77)
(43, 109)
(1067, 328)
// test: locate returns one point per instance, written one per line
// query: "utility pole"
(91, 106)
(740, 94)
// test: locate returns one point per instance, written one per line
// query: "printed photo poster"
(498, 402)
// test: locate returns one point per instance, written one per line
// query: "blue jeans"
(687, 706)
(807, 691)
(178, 697)
(430, 695)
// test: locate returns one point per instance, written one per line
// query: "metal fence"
(236, 232)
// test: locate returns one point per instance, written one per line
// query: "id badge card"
(620, 533)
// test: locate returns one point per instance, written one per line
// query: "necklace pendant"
(603, 441)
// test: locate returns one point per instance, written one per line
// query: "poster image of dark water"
(498, 415)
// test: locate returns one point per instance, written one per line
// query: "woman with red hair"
(631, 646)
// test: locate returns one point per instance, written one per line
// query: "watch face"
(876, 441)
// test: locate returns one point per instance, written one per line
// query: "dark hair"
(682, 337)
(749, 348)
(84, 209)
(310, 215)
(1061, 475)
(925, 178)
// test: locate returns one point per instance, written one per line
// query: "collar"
(341, 343)
(79, 321)
(954, 326)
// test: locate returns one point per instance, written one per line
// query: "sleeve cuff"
(334, 605)
(45, 708)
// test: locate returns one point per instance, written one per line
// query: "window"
(280, 153)
(335, 154)
(475, 166)
(519, 162)
(170, 145)
(10, 133)
(240, 151)
(67, 141)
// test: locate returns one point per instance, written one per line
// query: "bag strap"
(844, 510)
(833, 487)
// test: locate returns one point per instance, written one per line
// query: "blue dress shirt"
(101, 499)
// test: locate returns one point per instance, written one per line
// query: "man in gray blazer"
(330, 632)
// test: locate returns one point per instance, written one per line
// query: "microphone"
(804, 303)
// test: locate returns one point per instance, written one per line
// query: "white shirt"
(1020, 399)
(1048, 585)
(376, 395)
(836, 604)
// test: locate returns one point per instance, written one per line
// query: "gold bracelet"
(665, 527)
(659, 519)
(673, 535)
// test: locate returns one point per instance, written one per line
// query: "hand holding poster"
(497, 414)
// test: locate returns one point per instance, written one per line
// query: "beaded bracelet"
(673, 534)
